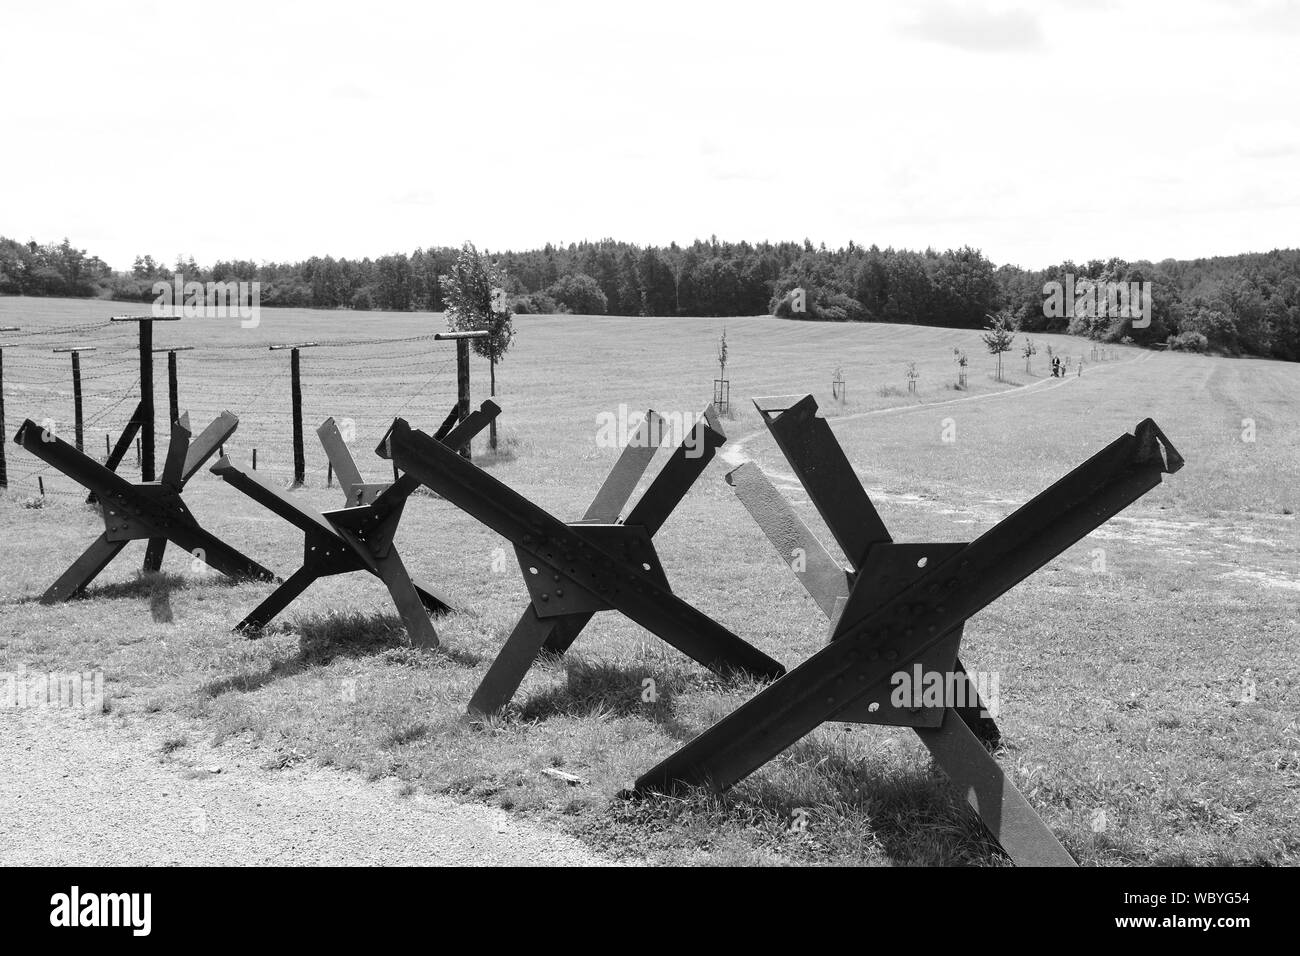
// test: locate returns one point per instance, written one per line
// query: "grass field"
(1149, 675)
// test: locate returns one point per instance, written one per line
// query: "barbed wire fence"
(362, 382)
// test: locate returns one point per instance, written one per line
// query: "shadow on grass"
(323, 638)
(607, 689)
(815, 805)
(157, 586)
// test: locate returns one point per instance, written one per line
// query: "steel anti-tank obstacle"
(358, 536)
(899, 606)
(146, 510)
(895, 608)
(574, 570)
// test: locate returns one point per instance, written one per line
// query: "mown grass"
(1122, 682)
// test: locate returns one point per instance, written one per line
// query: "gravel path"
(97, 791)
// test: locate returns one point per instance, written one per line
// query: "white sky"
(275, 130)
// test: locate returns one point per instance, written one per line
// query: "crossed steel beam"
(576, 569)
(139, 510)
(358, 536)
(903, 605)
(831, 585)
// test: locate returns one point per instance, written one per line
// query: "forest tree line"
(1246, 303)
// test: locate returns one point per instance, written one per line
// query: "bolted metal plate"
(328, 554)
(887, 570)
(938, 660)
(573, 581)
(152, 510)
(555, 594)
(364, 525)
(365, 493)
(121, 527)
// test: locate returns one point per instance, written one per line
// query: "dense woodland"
(1233, 304)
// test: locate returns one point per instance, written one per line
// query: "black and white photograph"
(649, 437)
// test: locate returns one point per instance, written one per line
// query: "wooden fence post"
(4, 470)
(142, 420)
(77, 420)
(295, 388)
(146, 400)
(462, 373)
(78, 432)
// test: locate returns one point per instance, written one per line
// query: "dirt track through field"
(734, 451)
(98, 791)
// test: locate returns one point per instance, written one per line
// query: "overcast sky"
(272, 130)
